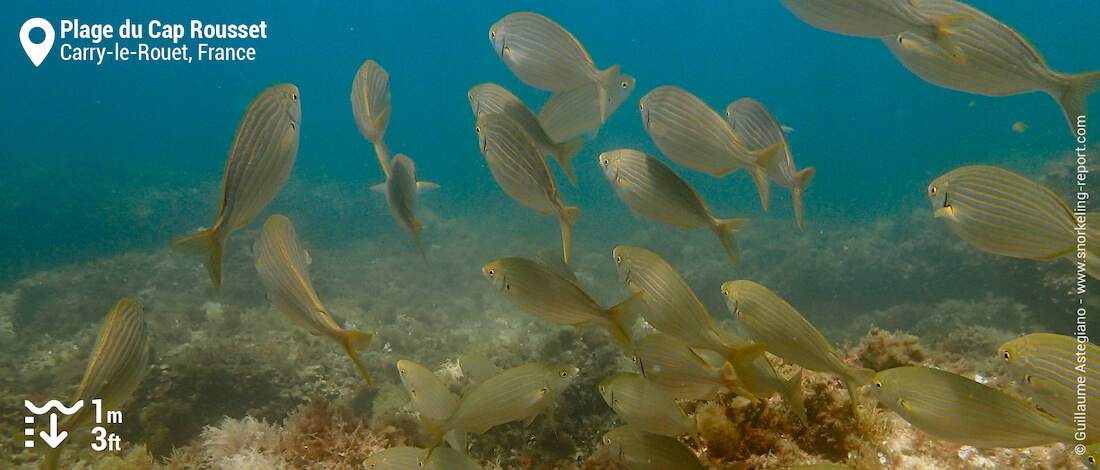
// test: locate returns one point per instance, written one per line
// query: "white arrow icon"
(36, 52)
(53, 439)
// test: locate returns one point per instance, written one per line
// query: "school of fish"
(946, 42)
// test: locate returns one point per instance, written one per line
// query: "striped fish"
(541, 291)
(259, 163)
(820, 466)
(115, 369)
(642, 405)
(654, 191)
(671, 307)
(544, 55)
(1050, 367)
(681, 373)
(520, 170)
(877, 18)
(758, 129)
(402, 191)
(639, 450)
(370, 104)
(999, 62)
(963, 411)
(284, 269)
(760, 378)
(693, 135)
(1003, 213)
(430, 398)
(771, 320)
(489, 98)
(415, 458)
(570, 114)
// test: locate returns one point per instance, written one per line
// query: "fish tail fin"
(857, 377)
(944, 36)
(383, 154)
(355, 341)
(567, 218)
(793, 393)
(763, 185)
(726, 231)
(565, 153)
(606, 82)
(622, 318)
(417, 227)
(1078, 87)
(732, 383)
(209, 243)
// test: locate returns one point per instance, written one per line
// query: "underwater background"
(101, 167)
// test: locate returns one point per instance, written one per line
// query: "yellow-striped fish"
(430, 398)
(963, 411)
(259, 163)
(544, 55)
(639, 450)
(877, 18)
(520, 170)
(999, 62)
(402, 192)
(1003, 213)
(671, 307)
(693, 135)
(760, 378)
(570, 114)
(769, 319)
(680, 372)
(370, 104)
(522, 392)
(759, 130)
(284, 269)
(638, 402)
(543, 292)
(489, 98)
(820, 466)
(415, 458)
(1057, 373)
(654, 191)
(115, 369)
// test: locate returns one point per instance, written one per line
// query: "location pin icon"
(36, 52)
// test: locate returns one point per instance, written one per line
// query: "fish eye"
(602, 388)
(492, 34)
(564, 374)
(618, 259)
(607, 440)
(725, 292)
(900, 40)
(492, 272)
(634, 358)
(1028, 378)
(878, 385)
(932, 190)
(477, 129)
(625, 85)
(1007, 356)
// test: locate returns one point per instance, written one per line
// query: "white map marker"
(36, 52)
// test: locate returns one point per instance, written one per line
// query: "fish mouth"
(503, 46)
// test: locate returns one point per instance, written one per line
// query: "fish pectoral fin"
(946, 27)
(379, 188)
(945, 212)
(424, 186)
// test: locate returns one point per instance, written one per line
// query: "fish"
(542, 54)
(477, 369)
(522, 392)
(760, 378)
(570, 114)
(759, 130)
(819, 466)
(693, 135)
(259, 164)
(1000, 61)
(520, 170)
(415, 458)
(489, 98)
(541, 291)
(681, 373)
(1001, 212)
(643, 406)
(370, 105)
(118, 363)
(769, 319)
(655, 192)
(402, 191)
(284, 269)
(430, 398)
(1053, 373)
(671, 307)
(957, 409)
(877, 18)
(638, 450)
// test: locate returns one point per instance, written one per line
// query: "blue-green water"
(124, 157)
